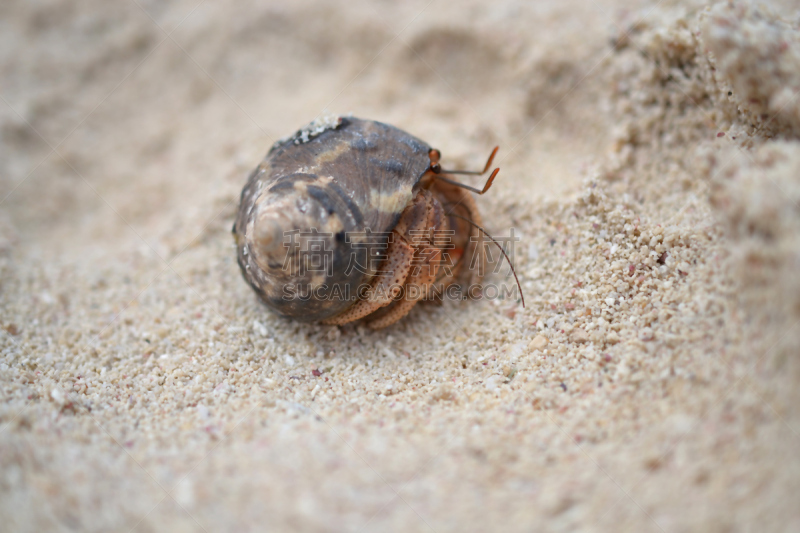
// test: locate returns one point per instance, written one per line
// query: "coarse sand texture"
(650, 168)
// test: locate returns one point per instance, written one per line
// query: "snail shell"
(324, 188)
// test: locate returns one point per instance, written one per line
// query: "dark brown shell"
(343, 181)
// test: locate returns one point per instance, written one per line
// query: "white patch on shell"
(313, 128)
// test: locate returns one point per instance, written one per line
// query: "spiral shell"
(337, 186)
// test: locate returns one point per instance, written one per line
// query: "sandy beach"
(650, 168)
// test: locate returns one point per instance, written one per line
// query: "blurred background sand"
(650, 164)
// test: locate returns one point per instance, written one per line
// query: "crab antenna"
(464, 186)
(437, 170)
(510, 264)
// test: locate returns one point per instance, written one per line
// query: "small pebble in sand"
(646, 334)
(579, 336)
(538, 342)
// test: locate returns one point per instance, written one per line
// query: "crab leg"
(459, 201)
(421, 280)
(386, 285)
(400, 254)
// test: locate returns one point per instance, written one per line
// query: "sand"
(650, 166)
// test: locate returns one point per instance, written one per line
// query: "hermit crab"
(353, 219)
